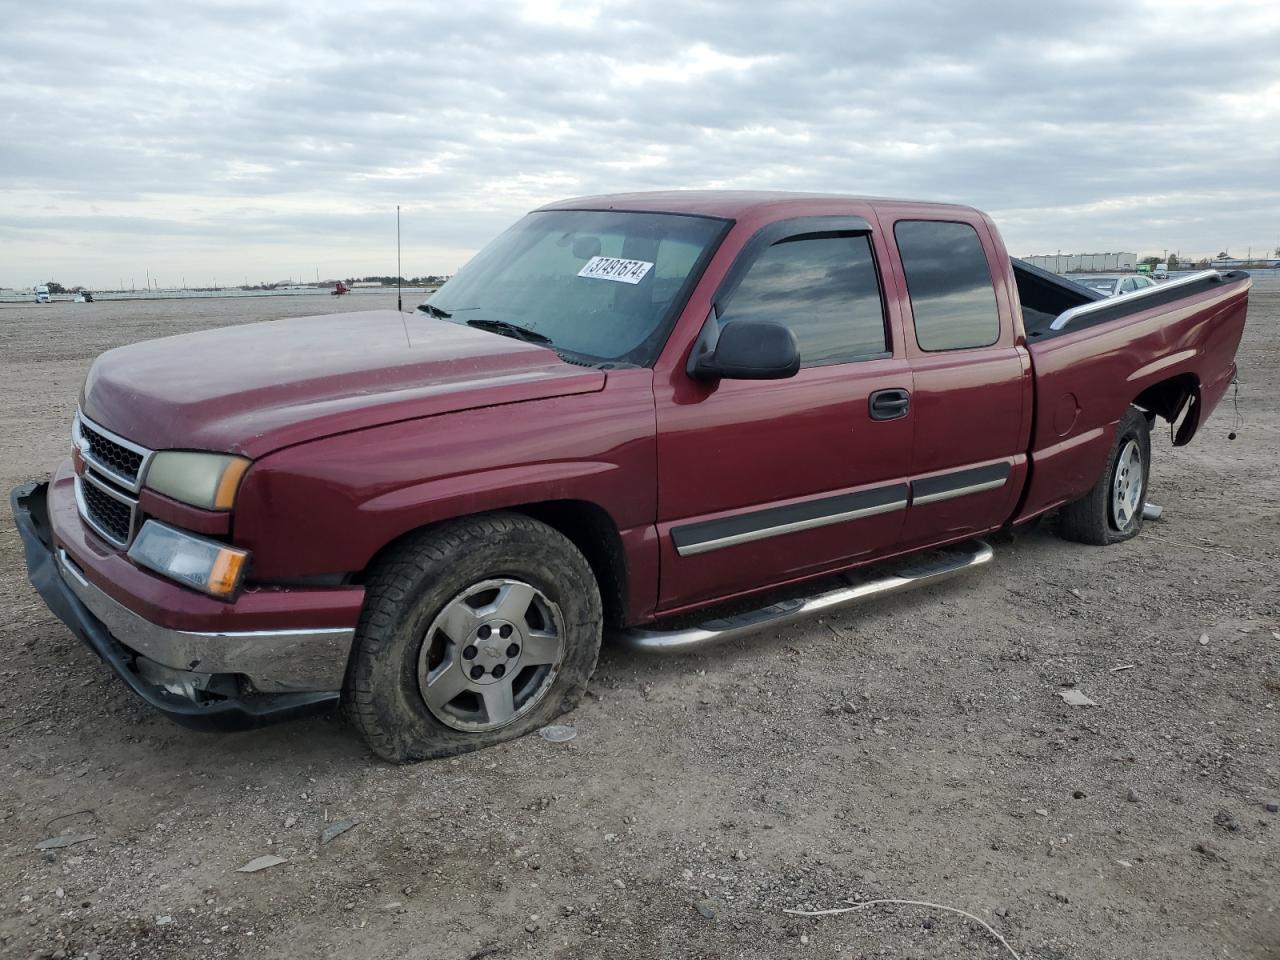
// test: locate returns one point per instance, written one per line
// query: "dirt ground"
(915, 749)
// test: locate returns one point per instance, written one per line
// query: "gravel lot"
(915, 749)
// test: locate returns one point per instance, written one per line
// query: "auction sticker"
(616, 269)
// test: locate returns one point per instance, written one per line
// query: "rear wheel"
(472, 633)
(1112, 510)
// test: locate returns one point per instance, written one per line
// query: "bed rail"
(1060, 322)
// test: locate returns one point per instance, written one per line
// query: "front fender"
(443, 498)
(327, 507)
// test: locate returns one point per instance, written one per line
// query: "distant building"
(1085, 262)
(1230, 263)
(367, 283)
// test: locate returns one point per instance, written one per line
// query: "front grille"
(111, 516)
(112, 474)
(121, 460)
(115, 457)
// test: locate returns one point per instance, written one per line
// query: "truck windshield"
(601, 285)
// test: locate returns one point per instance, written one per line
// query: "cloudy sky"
(266, 141)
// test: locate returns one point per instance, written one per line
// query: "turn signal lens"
(229, 485)
(205, 565)
(228, 567)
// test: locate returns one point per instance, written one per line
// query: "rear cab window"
(953, 299)
(825, 289)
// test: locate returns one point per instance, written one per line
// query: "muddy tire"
(473, 632)
(1112, 510)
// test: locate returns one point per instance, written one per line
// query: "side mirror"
(745, 350)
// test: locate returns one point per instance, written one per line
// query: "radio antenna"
(399, 299)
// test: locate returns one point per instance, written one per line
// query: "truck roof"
(735, 204)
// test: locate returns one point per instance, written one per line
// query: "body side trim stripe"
(696, 538)
(702, 537)
(960, 483)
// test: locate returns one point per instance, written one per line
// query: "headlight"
(208, 480)
(206, 565)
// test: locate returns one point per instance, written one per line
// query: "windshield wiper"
(434, 311)
(512, 330)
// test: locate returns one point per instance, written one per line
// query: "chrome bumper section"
(274, 661)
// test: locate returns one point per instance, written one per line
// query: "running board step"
(955, 560)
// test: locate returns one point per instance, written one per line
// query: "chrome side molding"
(953, 561)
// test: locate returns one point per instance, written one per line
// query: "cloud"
(239, 139)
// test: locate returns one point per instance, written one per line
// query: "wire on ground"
(909, 903)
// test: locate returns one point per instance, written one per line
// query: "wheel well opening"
(591, 530)
(1168, 398)
(588, 526)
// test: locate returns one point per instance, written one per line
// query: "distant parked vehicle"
(1112, 285)
(42, 294)
(1161, 271)
(84, 296)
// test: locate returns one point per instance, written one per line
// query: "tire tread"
(393, 584)
(1087, 520)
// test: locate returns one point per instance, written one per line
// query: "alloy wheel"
(490, 655)
(1126, 488)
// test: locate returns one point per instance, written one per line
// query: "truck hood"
(256, 388)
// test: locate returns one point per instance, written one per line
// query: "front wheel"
(1112, 510)
(474, 632)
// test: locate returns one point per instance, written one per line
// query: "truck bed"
(1045, 296)
(1171, 348)
(1053, 305)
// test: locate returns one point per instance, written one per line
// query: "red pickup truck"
(623, 409)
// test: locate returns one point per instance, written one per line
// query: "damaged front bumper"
(202, 680)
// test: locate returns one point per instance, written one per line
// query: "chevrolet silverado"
(624, 409)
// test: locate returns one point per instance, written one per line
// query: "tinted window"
(824, 289)
(952, 299)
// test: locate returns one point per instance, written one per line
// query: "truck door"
(760, 482)
(972, 380)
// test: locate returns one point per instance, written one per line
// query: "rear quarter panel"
(1085, 381)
